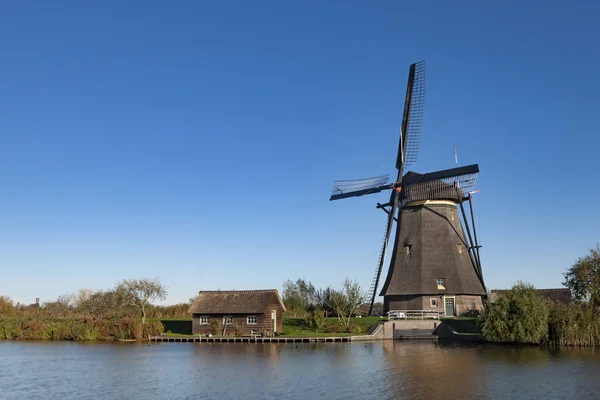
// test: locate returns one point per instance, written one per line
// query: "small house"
(237, 312)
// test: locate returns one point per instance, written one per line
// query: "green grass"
(365, 322)
(171, 334)
(297, 327)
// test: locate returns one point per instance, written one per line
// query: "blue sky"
(197, 141)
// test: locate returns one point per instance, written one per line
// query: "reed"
(575, 324)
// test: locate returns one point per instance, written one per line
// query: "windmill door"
(449, 306)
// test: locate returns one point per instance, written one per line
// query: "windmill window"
(441, 283)
(459, 248)
(452, 214)
(408, 248)
(203, 320)
(228, 320)
(433, 302)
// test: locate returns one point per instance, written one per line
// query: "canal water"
(373, 370)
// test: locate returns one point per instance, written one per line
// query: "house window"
(441, 283)
(228, 320)
(459, 248)
(203, 320)
(252, 319)
(433, 302)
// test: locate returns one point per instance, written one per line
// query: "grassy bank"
(298, 327)
(292, 327)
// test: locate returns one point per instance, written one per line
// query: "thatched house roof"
(235, 301)
(561, 295)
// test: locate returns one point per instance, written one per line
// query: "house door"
(449, 306)
(273, 321)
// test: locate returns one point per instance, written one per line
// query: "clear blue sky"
(197, 141)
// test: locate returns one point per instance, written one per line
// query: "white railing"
(413, 314)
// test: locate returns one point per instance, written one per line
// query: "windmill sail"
(408, 146)
(359, 187)
(412, 120)
(384, 247)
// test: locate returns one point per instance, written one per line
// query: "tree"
(316, 319)
(103, 304)
(6, 305)
(519, 316)
(346, 301)
(583, 278)
(62, 307)
(140, 292)
(300, 296)
(82, 296)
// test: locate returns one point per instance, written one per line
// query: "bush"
(333, 326)
(10, 328)
(238, 331)
(354, 328)
(85, 329)
(153, 328)
(35, 329)
(316, 319)
(519, 316)
(215, 326)
(6, 306)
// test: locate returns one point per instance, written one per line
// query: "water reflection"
(374, 370)
(428, 370)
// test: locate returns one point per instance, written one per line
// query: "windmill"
(432, 258)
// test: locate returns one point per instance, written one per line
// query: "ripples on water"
(374, 370)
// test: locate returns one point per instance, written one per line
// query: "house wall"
(239, 320)
(462, 303)
(263, 324)
(465, 303)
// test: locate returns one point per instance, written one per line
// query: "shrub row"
(77, 329)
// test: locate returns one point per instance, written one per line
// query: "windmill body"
(435, 263)
(430, 267)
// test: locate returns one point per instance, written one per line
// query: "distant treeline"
(522, 315)
(119, 313)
